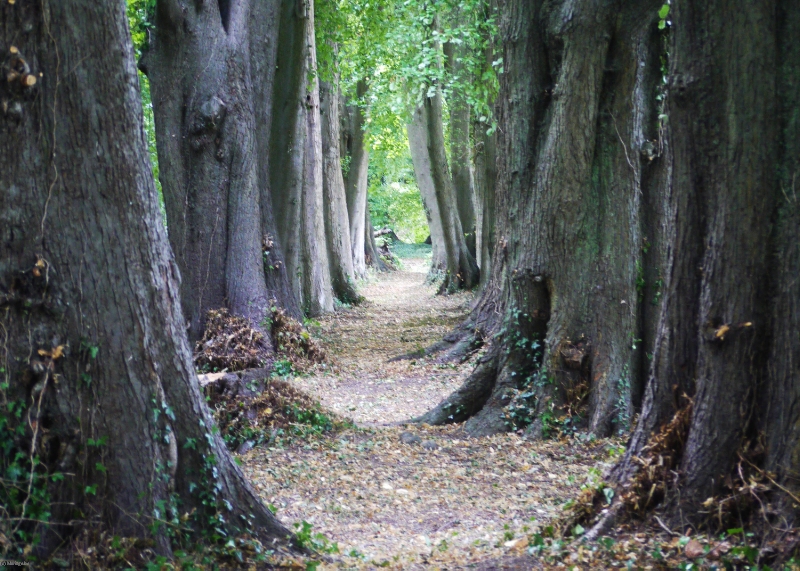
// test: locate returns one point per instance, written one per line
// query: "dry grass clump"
(230, 343)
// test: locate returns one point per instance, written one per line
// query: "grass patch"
(408, 251)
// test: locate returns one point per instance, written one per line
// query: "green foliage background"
(395, 45)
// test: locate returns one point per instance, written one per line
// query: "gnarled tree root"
(469, 398)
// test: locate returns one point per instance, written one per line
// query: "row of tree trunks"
(417, 142)
(255, 208)
(92, 330)
(564, 272)
(202, 86)
(445, 197)
(354, 146)
(653, 254)
(296, 157)
(431, 167)
(460, 147)
(337, 223)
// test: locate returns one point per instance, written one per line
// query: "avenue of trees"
(617, 178)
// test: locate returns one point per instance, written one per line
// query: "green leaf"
(664, 12)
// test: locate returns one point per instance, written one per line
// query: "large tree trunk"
(716, 322)
(202, 88)
(417, 142)
(337, 223)
(95, 351)
(263, 57)
(296, 159)
(781, 415)
(573, 117)
(460, 160)
(357, 179)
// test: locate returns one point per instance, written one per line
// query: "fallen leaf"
(719, 550)
(693, 549)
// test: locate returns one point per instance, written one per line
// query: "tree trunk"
(203, 87)
(715, 323)
(460, 162)
(95, 353)
(417, 142)
(781, 416)
(356, 183)
(485, 169)
(296, 159)
(461, 270)
(573, 115)
(263, 57)
(337, 224)
(372, 255)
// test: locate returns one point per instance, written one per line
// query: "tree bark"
(460, 162)
(573, 117)
(781, 416)
(417, 142)
(726, 348)
(484, 166)
(357, 179)
(337, 224)
(94, 342)
(203, 86)
(296, 159)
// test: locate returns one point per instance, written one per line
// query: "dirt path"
(443, 499)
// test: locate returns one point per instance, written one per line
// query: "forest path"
(441, 500)
(402, 314)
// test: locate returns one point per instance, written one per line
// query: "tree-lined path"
(416, 496)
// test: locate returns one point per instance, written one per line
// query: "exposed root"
(469, 398)
(457, 346)
(230, 343)
(582, 510)
(644, 490)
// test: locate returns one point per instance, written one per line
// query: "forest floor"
(380, 493)
(411, 496)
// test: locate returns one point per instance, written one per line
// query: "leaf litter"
(377, 493)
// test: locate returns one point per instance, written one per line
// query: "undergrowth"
(278, 412)
(230, 343)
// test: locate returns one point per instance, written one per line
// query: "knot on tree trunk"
(207, 121)
(574, 356)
